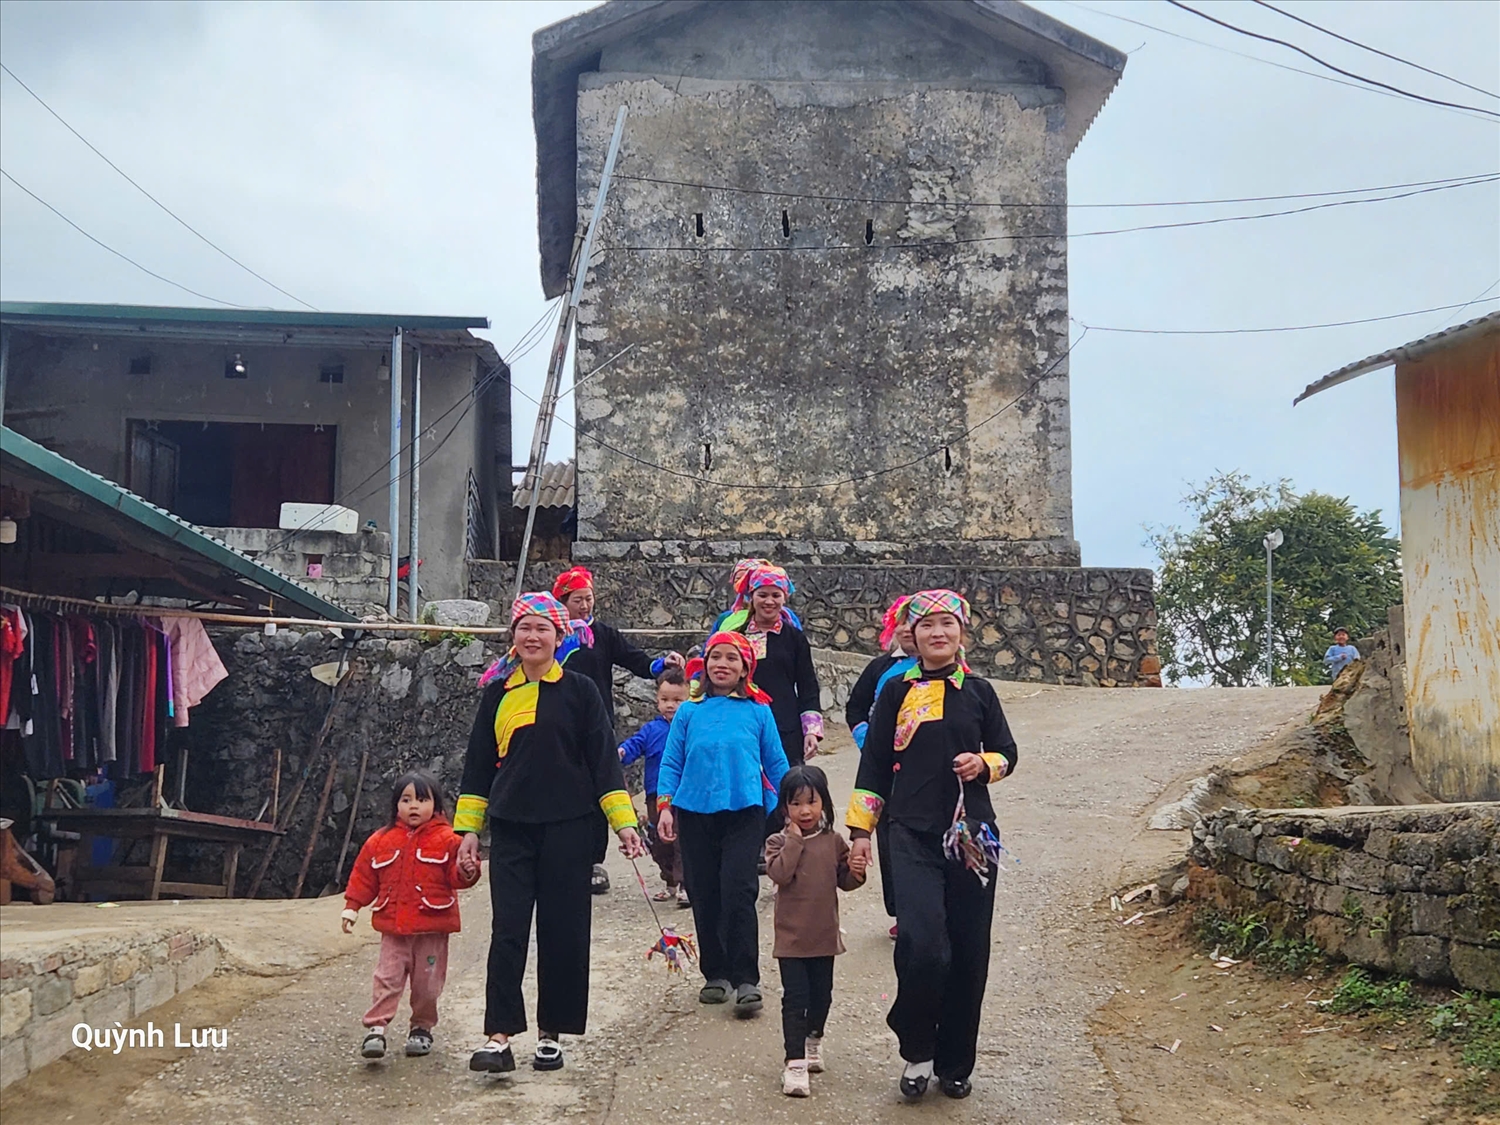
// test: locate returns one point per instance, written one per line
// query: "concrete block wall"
(43, 997)
(1411, 889)
(356, 568)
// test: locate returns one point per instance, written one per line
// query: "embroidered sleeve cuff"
(664, 800)
(618, 810)
(859, 730)
(468, 814)
(864, 810)
(999, 767)
(812, 723)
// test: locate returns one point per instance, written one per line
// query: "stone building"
(878, 314)
(835, 244)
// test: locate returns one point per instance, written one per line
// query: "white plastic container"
(319, 517)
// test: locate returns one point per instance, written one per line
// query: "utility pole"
(550, 389)
(1272, 540)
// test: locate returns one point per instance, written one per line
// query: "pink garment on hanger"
(196, 667)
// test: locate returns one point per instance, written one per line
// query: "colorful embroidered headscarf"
(891, 622)
(924, 603)
(574, 578)
(539, 604)
(739, 576)
(741, 645)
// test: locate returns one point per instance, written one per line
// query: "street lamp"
(1272, 540)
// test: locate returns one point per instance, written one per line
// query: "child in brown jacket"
(809, 863)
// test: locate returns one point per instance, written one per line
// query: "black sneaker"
(955, 1087)
(548, 1055)
(374, 1046)
(418, 1042)
(747, 1000)
(493, 1058)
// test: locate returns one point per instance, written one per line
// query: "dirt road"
(1091, 762)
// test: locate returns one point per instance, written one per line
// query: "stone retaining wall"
(1408, 889)
(97, 983)
(1064, 625)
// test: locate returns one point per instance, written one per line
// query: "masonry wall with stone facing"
(1409, 889)
(95, 982)
(1056, 625)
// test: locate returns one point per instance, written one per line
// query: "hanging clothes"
(196, 667)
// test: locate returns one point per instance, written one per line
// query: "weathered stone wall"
(794, 341)
(1407, 889)
(101, 982)
(1063, 625)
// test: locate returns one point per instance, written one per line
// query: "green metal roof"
(21, 313)
(106, 503)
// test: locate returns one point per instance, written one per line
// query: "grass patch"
(1472, 1023)
(1250, 936)
(1358, 991)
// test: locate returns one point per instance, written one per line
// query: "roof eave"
(1406, 353)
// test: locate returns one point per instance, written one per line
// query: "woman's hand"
(969, 766)
(468, 853)
(859, 855)
(666, 825)
(674, 660)
(809, 747)
(631, 846)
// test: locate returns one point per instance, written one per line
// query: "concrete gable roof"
(1083, 66)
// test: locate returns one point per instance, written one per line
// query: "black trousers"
(719, 854)
(599, 840)
(806, 996)
(942, 952)
(546, 867)
(883, 859)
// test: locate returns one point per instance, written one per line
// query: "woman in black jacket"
(938, 738)
(786, 671)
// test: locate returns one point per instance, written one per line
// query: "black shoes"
(955, 1087)
(493, 1058)
(913, 1088)
(548, 1055)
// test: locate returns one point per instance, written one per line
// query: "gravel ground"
(1091, 762)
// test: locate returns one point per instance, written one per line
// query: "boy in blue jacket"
(648, 743)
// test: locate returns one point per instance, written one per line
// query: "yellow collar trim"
(550, 676)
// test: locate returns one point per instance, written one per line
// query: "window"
(140, 365)
(331, 373)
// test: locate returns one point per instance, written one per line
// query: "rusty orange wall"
(1448, 435)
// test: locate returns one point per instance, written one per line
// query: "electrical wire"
(1237, 54)
(116, 253)
(1376, 50)
(1455, 181)
(1325, 63)
(184, 223)
(1029, 235)
(1285, 327)
(755, 486)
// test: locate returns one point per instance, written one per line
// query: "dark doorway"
(233, 474)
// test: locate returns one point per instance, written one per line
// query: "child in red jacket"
(409, 874)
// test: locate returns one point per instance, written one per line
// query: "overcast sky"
(380, 158)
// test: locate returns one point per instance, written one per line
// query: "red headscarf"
(740, 644)
(574, 578)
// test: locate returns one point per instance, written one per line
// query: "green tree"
(1338, 567)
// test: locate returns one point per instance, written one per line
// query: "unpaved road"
(1091, 762)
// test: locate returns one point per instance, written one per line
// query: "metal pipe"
(1270, 661)
(413, 576)
(4, 367)
(394, 471)
(548, 408)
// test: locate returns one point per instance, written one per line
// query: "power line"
(855, 479)
(1030, 235)
(1286, 327)
(1325, 63)
(1238, 54)
(1376, 50)
(189, 227)
(1455, 181)
(112, 250)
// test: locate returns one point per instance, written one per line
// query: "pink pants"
(422, 958)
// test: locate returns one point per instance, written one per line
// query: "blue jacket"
(648, 742)
(720, 754)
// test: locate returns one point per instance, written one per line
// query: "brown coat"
(808, 872)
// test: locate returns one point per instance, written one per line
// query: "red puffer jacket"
(409, 878)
